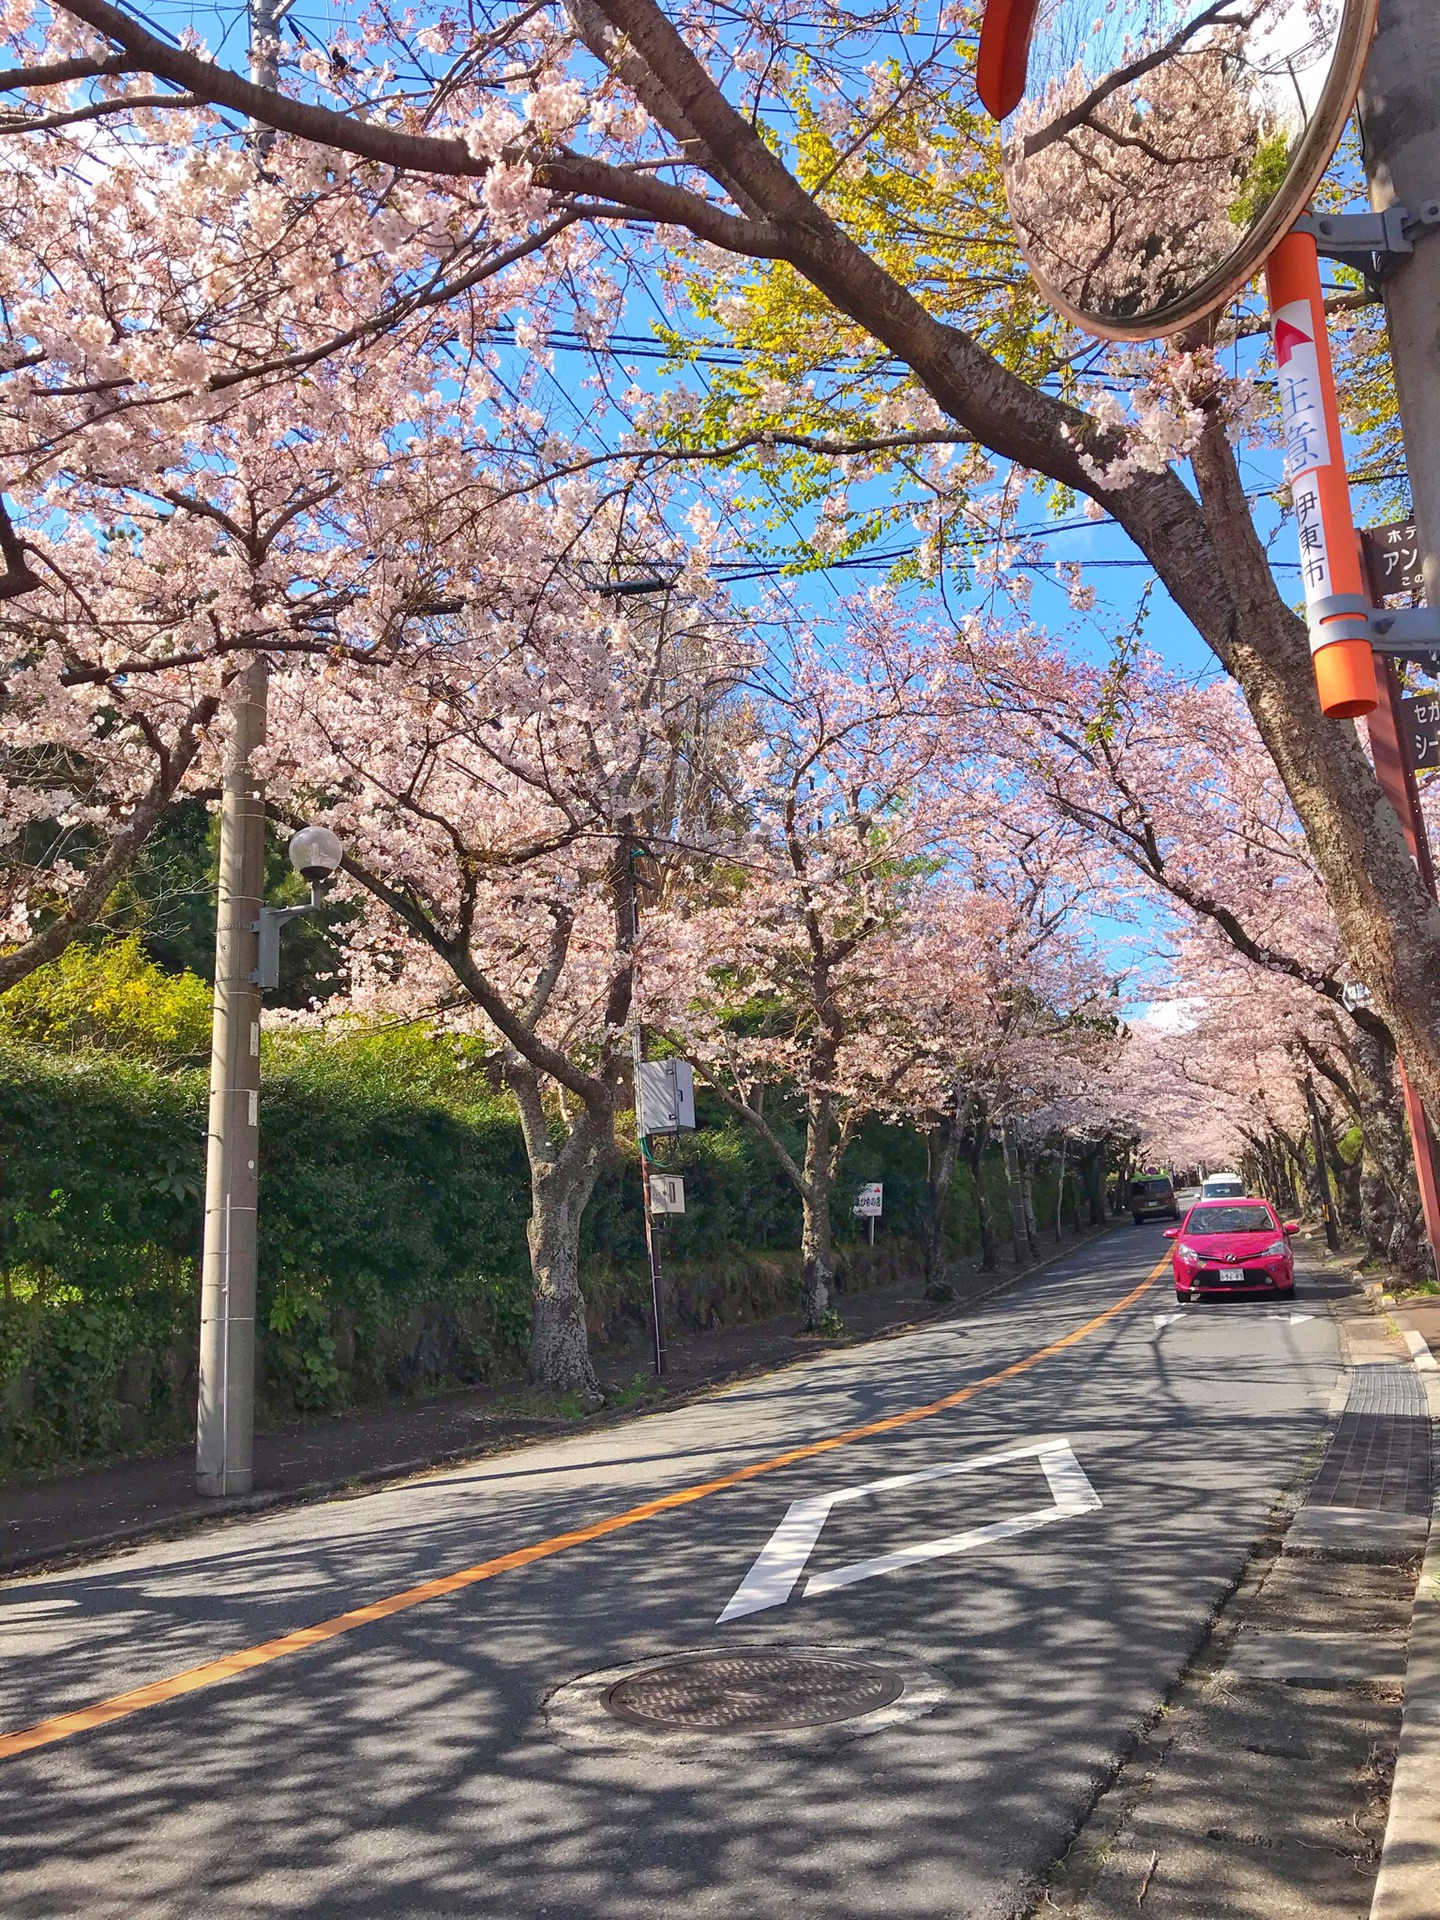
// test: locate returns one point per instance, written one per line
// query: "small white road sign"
(868, 1200)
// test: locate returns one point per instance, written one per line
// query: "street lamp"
(247, 963)
(315, 854)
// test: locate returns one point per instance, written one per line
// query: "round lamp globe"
(316, 853)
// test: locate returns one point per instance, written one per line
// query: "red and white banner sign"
(1307, 443)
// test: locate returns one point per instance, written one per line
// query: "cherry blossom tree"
(628, 117)
(218, 364)
(506, 788)
(879, 952)
(1040, 1022)
(786, 983)
(1180, 806)
(311, 525)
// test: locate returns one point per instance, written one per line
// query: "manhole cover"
(752, 1692)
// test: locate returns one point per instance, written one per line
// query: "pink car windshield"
(1251, 1219)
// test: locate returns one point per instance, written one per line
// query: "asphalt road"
(416, 1764)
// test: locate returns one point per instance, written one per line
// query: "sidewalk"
(44, 1520)
(1418, 1318)
(1408, 1886)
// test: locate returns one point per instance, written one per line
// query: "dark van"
(1153, 1198)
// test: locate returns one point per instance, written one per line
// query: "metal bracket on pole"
(1407, 633)
(267, 931)
(1376, 243)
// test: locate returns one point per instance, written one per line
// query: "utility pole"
(1400, 129)
(225, 1418)
(225, 1411)
(1322, 1169)
(652, 1240)
(1399, 112)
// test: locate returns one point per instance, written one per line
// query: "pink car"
(1233, 1246)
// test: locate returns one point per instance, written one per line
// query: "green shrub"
(394, 1194)
(111, 998)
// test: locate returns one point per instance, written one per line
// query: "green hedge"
(393, 1199)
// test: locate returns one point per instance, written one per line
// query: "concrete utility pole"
(1399, 110)
(225, 1413)
(225, 1418)
(1400, 127)
(652, 1240)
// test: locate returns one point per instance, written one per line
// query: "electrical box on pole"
(664, 1097)
(667, 1192)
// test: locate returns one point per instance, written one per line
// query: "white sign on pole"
(664, 1097)
(667, 1193)
(1307, 443)
(868, 1200)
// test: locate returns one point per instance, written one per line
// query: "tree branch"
(86, 906)
(59, 72)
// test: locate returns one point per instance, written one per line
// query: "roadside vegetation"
(393, 1204)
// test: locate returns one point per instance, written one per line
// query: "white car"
(1223, 1186)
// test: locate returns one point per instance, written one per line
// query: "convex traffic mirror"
(1161, 147)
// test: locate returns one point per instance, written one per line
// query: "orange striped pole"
(1337, 607)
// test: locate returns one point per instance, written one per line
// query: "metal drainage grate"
(752, 1692)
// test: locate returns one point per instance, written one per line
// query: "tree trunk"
(1093, 1164)
(817, 1275)
(976, 1143)
(1345, 1178)
(942, 1149)
(1027, 1200)
(1390, 1211)
(1014, 1190)
(816, 1247)
(562, 1179)
(559, 1344)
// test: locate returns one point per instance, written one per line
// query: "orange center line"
(121, 1705)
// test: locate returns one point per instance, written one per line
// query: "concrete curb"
(202, 1518)
(1408, 1886)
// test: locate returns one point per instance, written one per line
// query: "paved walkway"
(1379, 1459)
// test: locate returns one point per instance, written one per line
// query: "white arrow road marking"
(1292, 1319)
(781, 1561)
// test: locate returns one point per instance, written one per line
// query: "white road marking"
(781, 1561)
(1163, 1320)
(1424, 1359)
